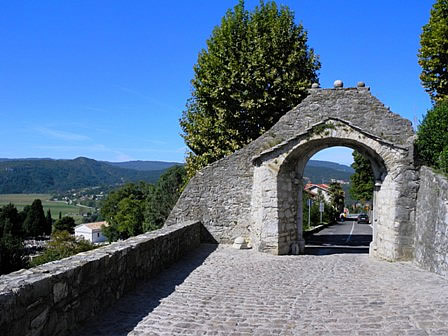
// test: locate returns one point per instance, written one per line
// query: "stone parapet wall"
(431, 243)
(55, 298)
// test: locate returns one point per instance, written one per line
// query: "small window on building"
(98, 234)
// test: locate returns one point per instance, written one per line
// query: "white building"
(315, 189)
(91, 231)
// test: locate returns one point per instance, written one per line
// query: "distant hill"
(48, 175)
(144, 165)
(332, 165)
(323, 171)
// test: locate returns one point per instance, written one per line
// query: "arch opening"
(293, 168)
(278, 188)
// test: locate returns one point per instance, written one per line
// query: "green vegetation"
(35, 223)
(163, 198)
(12, 232)
(321, 129)
(362, 181)
(433, 54)
(432, 142)
(65, 224)
(432, 137)
(256, 67)
(45, 176)
(122, 209)
(328, 216)
(12, 254)
(337, 197)
(137, 208)
(32, 223)
(62, 245)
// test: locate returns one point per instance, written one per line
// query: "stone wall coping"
(24, 277)
(440, 177)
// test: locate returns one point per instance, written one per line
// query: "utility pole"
(309, 212)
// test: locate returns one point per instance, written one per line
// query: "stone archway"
(276, 197)
(254, 192)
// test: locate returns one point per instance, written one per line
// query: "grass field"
(21, 200)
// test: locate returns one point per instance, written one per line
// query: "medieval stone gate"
(256, 192)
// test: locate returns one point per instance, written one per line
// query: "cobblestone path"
(223, 291)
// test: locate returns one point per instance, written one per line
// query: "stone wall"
(431, 243)
(55, 298)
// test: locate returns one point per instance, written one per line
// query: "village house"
(91, 232)
(314, 189)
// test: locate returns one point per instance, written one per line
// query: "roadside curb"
(316, 229)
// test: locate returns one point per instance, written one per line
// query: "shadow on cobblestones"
(337, 244)
(321, 250)
(121, 318)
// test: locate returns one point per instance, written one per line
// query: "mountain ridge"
(50, 175)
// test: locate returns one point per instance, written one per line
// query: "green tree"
(12, 254)
(432, 136)
(337, 196)
(362, 181)
(49, 220)
(10, 221)
(433, 54)
(35, 223)
(136, 191)
(66, 223)
(62, 245)
(256, 67)
(123, 210)
(161, 201)
(22, 215)
(129, 217)
(443, 161)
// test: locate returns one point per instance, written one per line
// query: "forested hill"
(47, 175)
(323, 171)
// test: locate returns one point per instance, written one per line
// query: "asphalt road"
(343, 237)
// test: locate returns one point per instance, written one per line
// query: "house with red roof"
(314, 189)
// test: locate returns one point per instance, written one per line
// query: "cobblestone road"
(223, 291)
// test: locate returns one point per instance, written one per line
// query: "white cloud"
(63, 135)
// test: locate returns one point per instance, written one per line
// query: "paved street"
(344, 237)
(223, 291)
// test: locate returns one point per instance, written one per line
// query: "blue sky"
(109, 79)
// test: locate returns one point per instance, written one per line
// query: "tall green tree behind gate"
(362, 181)
(256, 67)
(433, 54)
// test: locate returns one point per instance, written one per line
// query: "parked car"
(363, 219)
